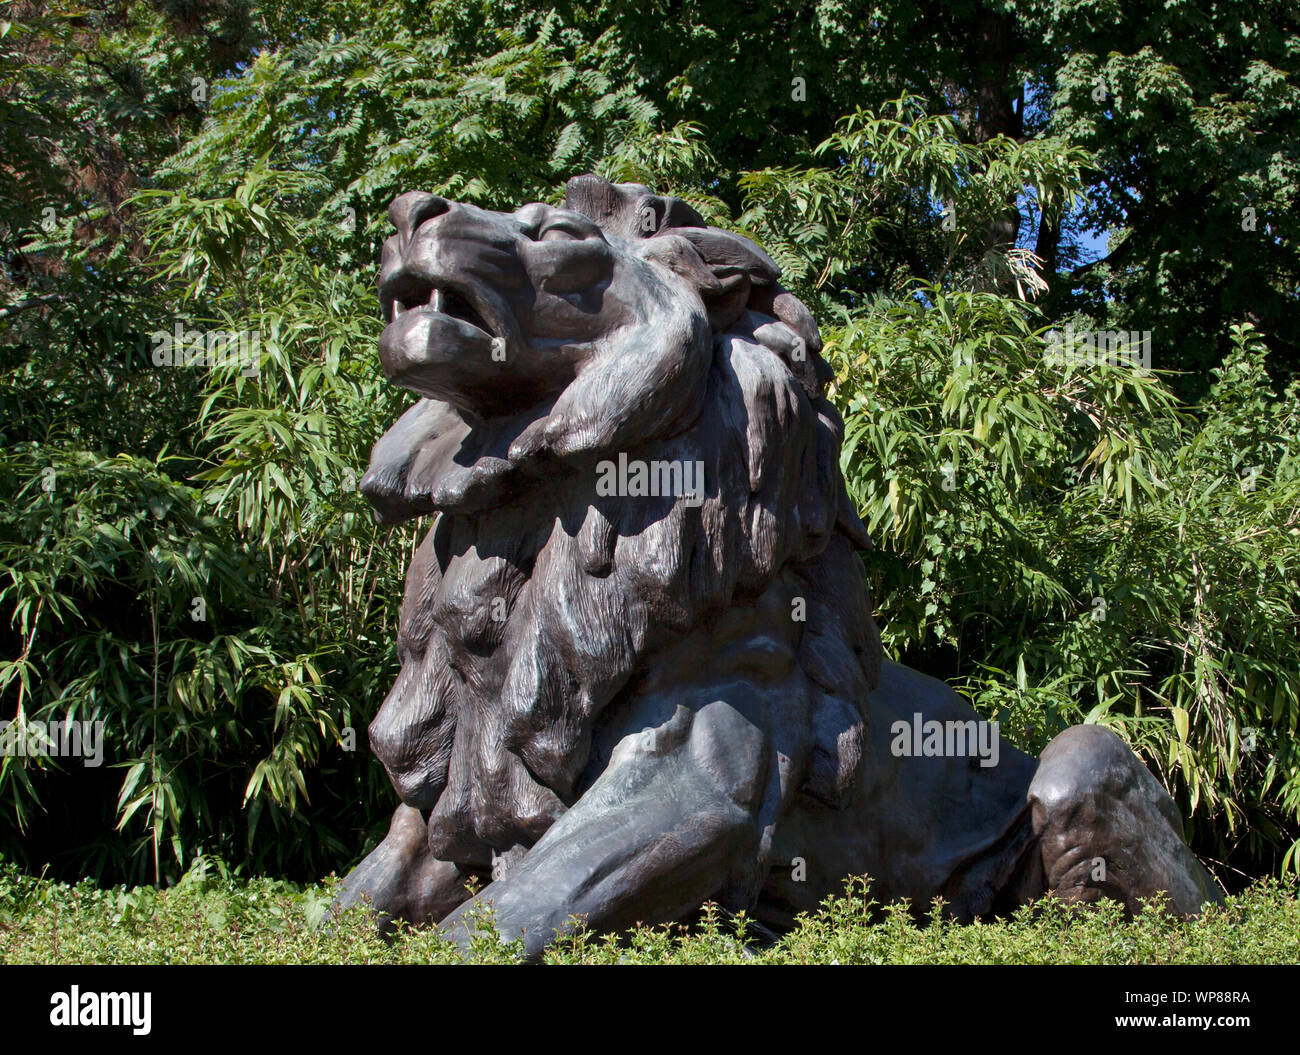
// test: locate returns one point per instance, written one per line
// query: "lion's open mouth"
(413, 294)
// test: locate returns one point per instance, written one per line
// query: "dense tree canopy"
(183, 554)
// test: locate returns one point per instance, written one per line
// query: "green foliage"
(209, 917)
(1076, 547)
(1189, 112)
(905, 196)
(927, 189)
(236, 731)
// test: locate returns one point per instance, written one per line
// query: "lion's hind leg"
(1106, 828)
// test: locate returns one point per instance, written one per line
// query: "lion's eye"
(557, 232)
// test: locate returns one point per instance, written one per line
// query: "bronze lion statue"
(639, 669)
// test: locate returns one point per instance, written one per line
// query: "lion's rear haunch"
(550, 593)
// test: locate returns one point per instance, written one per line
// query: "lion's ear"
(728, 253)
(737, 265)
(679, 256)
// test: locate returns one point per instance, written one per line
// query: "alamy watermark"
(952, 739)
(61, 739)
(632, 478)
(93, 1008)
(1073, 347)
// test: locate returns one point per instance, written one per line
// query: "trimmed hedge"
(210, 918)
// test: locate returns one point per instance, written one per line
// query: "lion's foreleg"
(671, 822)
(401, 880)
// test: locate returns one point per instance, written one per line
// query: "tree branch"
(31, 302)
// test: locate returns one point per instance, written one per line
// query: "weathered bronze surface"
(639, 667)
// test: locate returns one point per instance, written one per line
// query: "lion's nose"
(412, 209)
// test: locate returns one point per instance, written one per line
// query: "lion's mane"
(534, 603)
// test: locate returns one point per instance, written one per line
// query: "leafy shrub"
(1071, 545)
(210, 917)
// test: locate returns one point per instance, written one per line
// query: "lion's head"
(549, 345)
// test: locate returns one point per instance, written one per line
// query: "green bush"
(1072, 545)
(209, 917)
